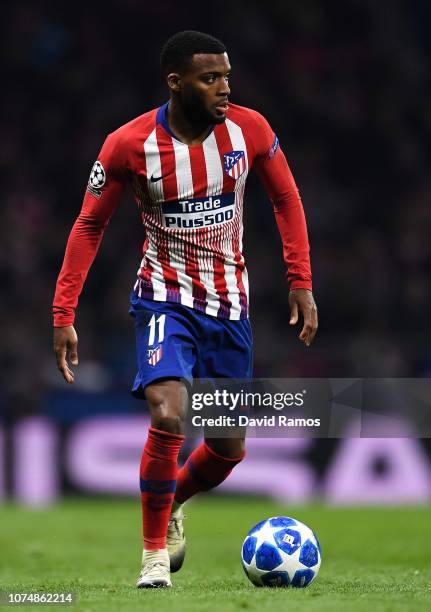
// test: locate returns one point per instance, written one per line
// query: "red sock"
(203, 470)
(158, 475)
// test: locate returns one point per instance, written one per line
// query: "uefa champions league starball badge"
(97, 179)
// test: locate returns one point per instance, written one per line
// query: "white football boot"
(175, 541)
(154, 570)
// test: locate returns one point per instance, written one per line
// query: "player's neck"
(190, 134)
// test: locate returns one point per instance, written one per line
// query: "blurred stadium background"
(346, 87)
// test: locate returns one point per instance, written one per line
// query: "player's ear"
(173, 80)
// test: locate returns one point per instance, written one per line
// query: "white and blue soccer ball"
(281, 552)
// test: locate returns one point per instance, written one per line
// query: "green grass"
(374, 559)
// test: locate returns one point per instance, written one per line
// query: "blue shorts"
(175, 341)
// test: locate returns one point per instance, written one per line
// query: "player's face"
(204, 88)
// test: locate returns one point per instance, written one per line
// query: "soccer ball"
(281, 552)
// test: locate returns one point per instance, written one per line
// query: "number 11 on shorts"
(156, 325)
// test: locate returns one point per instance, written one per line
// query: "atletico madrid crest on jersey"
(154, 355)
(234, 163)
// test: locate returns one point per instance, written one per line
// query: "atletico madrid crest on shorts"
(234, 163)
(154, 355)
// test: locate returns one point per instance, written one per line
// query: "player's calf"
(205, 469)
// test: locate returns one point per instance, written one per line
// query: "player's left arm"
(275, 174)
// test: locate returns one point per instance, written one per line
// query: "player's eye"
(210, 78)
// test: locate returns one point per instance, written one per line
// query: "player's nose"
(224, 89)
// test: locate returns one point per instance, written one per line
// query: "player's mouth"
(222, 107)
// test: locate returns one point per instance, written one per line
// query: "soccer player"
(187, 162)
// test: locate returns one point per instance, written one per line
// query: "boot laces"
(154, 568)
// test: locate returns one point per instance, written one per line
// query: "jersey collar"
(163, 120)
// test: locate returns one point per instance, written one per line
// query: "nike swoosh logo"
(154, 179)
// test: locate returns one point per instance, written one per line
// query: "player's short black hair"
(180, 48)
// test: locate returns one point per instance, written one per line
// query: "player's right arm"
(101, 198)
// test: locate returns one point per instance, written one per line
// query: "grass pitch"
(375, 559)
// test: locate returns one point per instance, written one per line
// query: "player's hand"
(302, 300)
(66, 347)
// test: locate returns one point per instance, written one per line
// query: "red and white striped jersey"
(191, 199)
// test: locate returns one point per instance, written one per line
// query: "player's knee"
(167, 403)
(167, 415)
(167, 420)
(231, 448)
(236, 449)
